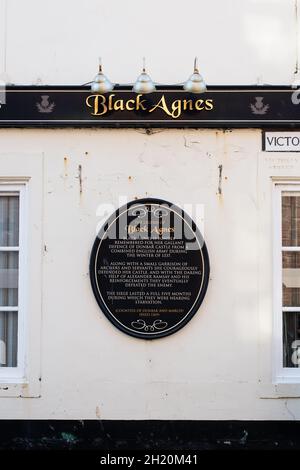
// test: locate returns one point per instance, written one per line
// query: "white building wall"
(220, 365)
(237, 41)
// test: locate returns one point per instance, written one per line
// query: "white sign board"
(281, 141)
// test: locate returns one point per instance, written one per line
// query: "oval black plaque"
(149, 268)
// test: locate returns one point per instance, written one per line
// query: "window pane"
(9, 220)
(8, 339)
(9, 267)
(9, 272)
(291, 279)
(291, 339)
(291, 219)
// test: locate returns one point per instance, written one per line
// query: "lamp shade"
(195, 83)
(101, 84)
(144, 83)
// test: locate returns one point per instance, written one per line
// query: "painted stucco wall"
(220, 365)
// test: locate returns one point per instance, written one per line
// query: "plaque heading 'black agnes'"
(149, 268)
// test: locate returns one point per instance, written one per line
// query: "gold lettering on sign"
(119, 105)
(95, 104)
(176, 109)
(128, 105)
(161, 105)
(187, 104)
(101, 105)
(139, 103)
(209, 105)
(199, 105)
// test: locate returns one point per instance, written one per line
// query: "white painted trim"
(277, 295)
(18, 374)
(23, 277)
(291, 309)
(290, 248)
(9, 309)
(9, 248)
(280, 374)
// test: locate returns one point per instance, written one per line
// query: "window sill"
(290, 388)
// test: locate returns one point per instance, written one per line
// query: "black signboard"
(256, 106)
(149, 268)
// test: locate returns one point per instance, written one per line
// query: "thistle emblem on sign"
(259, 107)
(45, 106)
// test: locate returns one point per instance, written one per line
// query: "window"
(21, 275)
(11, 281)
(287, 282)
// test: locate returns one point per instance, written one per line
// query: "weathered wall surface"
(219, 365)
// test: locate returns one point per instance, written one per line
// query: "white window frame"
(281, 374)
(18, 374)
